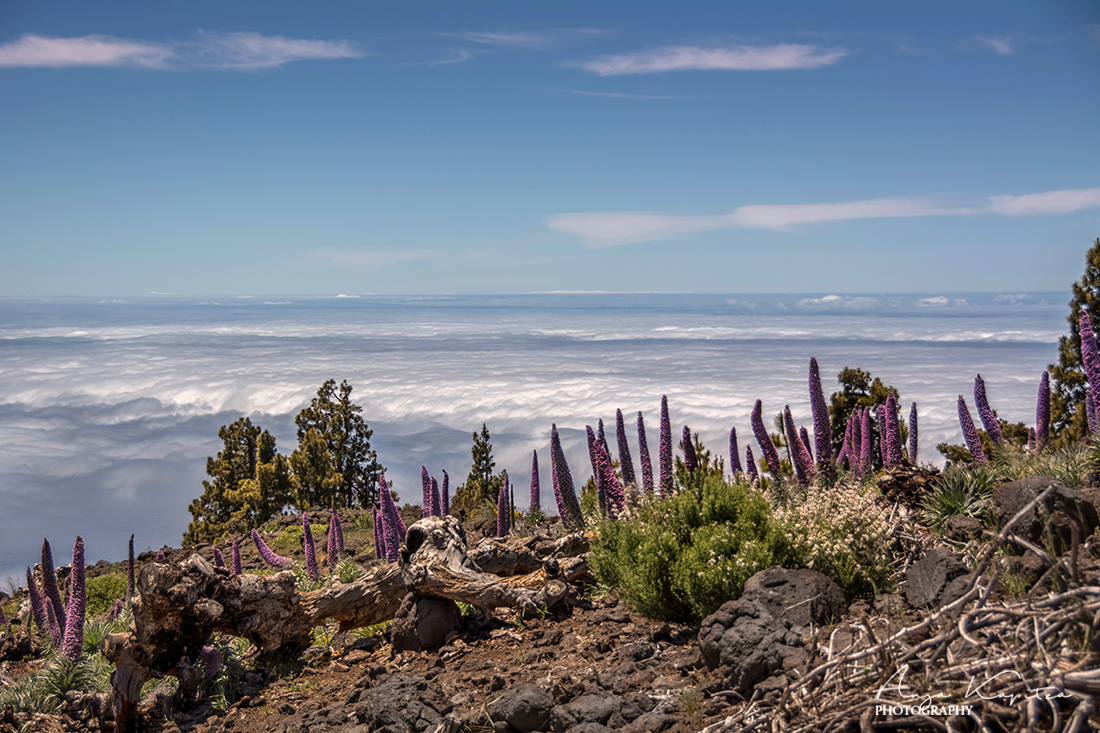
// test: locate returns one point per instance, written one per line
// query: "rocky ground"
(599, 667)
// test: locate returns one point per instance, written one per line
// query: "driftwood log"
(178, 606)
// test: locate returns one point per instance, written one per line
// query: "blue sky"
(349, 147)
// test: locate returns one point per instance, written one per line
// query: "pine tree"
(334, 465)
(1069, 421)
(481, 485)
(251, 483)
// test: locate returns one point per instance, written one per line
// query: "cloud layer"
(730, 58)
(205, 50)
(613, 228)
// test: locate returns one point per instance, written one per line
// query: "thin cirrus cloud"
(731, 58)
(527, 41)
(614, 228)
(1002, 45)
(244, 50)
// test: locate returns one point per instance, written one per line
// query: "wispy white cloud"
(999, 44)
(613, 228)
(526, 40)
(730, 58)
(458, 57)
(205, 50)
(620, 95)
(369, 259)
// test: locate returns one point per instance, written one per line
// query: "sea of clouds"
(110, 408)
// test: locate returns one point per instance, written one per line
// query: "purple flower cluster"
(277, 561)
(504, 509)
(771, 455)
(535, 500)
(800, 456)
(38, 611)
(643, 457)
(426, 492)
(74, 626)
(393, 528)
(970, 433)
(437, 505)
(985, 412)
(750, 466)
(1090, 356)
(626, 462)
(823, 434)
(130, 585)
(49, 584)
(444, 495)
(664, 451)
(865, 441)
(735, 454)
(893, 434)
(913, 434)
(219, 561)
(310, 549)
(568, 507)
(691, 458)
(1042, 413)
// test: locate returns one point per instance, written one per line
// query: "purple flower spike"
(614, 496)
(219, 561)
(985, 412)
(883, 436)
(535, 502)
(845, 446)
(865, 442)
(49, 584)
(504, 513)
(803, 463)
(393, 525)
(1090, 357)
(444, 495)
(893, 444)
(913, 434)
(806, 440)
(597, 475)
(823, 433)
(767, 447)
(643, 457)
(1042, 413)
(664, 452)
(236, 558)
(735, 454)
(310, 550)
(116, 609)
(37, 607)
(130, 586)
(437, 504)
(277, 561)
(626, 463)
(212, 658)
(1090, 411)
(74, 626)
(691, 458)
(569, 509)
(970, 433)
(750, 466)
(57, 637)
(600, 434)
(426, 492)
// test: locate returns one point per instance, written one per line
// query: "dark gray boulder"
(524, 707)
(1053, 520)
(423, 623)
(799, 596)
(936, 579)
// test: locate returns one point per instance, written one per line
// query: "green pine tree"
(859, 389)
(251, 483)
(1069, 423)
(481, 484)
(334, 465)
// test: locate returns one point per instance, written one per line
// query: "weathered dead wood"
(178, 606)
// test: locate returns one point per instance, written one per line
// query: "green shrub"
(959, 492)
(289, 541)
(103, 591)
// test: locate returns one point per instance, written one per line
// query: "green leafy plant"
(959, 492)
(348, 571)
(103, 591)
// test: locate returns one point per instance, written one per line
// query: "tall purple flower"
(767, 447)
(614, 496)
(855, 444)
(643, 457)
(393, 524)
(276, 561)
(569, 509)
(130, 585)
(310, 549)
(626, 463)
(735, 454)
(57, 636)
(664, 453)
(802, 433)
(985, 412)
(750, 465)
(504, 513)
(865, 441)
(74, 625)
(437, 505)
(219, 561)
(597, 474)
(1042, 413)
(236, 558)
(379, 534)
(535, 501)
(49, 584)
(913, 433)
(600, 436)
(426, 492)
(444, 495)
(823, 433)
(893, 434)
(883, 436)
(1090, 356)
(845, 445)
(803, 463)
(38, 611)
(691, 458)
(1090, 411)
(970, 433)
